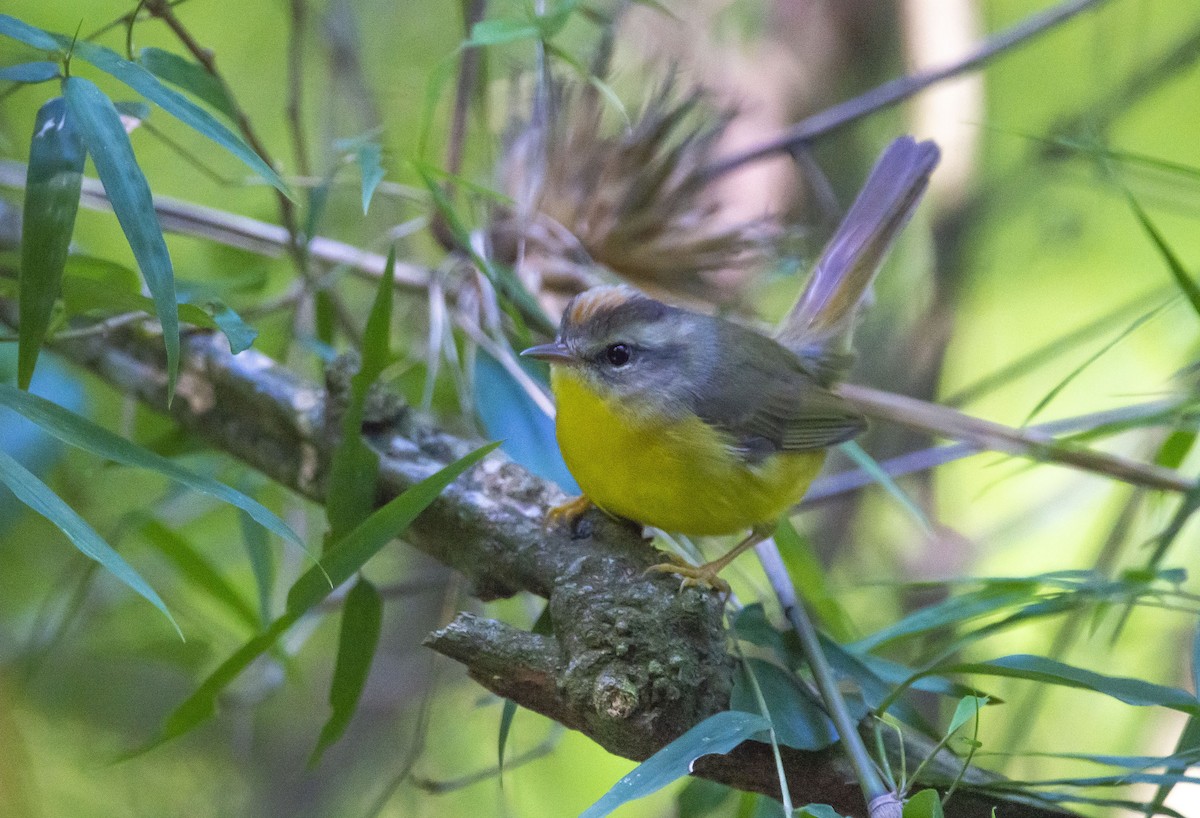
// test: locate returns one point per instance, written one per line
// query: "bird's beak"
(555, 353)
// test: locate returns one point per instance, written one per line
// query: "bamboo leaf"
(52, 184)
(719, 733)
(344, 559)
(100, 126)
(1184, 281)
(362, 618)
(29, 72)
(77, 431)
(38, 496)
(190, 76)
(24, 33)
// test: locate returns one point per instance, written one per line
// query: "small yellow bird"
(697, 425)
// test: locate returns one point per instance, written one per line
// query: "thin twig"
(295, 102)
(869, 780)
(883, 96)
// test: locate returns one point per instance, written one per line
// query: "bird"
(698, 425)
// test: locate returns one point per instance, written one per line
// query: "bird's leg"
(706, 575)
(569, 512)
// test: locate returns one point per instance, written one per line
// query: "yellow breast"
(676, 475)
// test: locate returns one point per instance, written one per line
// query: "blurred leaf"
(1175, 448)
(127, 190)
(1188, 745)
(77, 431)
(341, 562)
(38, 496)
(967, 709)
(701, 797)
(509, 414)
(805, 570)
(240, 335)
(868, 464)
(25, 33)
(925, 804)
(53, 182)
(799, 721)
(370, 168)
(362, 618)
(952, 612)
(1182, 280)
(1091, 359)
(262, 563)
(194, 567)
(191, 77)
(174, 103)
(1187, 507)
(719, 733)
(40, 71)
(501, 31)
(354, 469)
(1049, 671)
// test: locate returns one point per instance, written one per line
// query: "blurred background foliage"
(1025, 239)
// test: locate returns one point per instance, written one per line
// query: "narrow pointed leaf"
(719, 733)
(362, 618)
(354, 469)
(39, 71)
(262, 563)
(52, 185)
(370, 167)
(78, 431)
(24, 33)
(343, 560)
(38, 496)
(175, 104)
(100, 126)
(190, 76)
(925, 804)
(799, 721)
(1186, 285)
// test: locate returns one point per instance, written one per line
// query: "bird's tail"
(820, 325)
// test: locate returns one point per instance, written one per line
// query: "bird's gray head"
(632, 347)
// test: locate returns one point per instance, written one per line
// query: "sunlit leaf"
(100, 126)
(1187, 286)
(501, 31)
(362, 618)
(719, 733)
(808, 575)
(190, 76)
(38, 496)
(52, 185)
(77, 431)
(40, 71)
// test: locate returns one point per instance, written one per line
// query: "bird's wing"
(767, 402)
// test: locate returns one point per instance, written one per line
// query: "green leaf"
(38, 496)
(799, 721)
(967, 709)
(175, 104)
(817, 811)
(354, 469)
(807, 574)
(240, 335)
(77, 431)
(501, 31)
(719, 733)
(925, 804)
(39, 71)
(198, 570)
(1188, 745)
(952, 612)
(343, 560)
(701, 797)
(25, 33)
(53, 182)
(100, 126)
(190, 76)
(1175, 448)
(1184, 281)
(877, 473)
(349, 554)
(362, 618)
(1048, 671)
(262, 563)
(370, 167)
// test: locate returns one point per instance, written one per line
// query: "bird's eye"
(617, 354)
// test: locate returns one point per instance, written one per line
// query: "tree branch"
(632, 662)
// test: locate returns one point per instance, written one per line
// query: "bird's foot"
(569, 512)
(693, 576)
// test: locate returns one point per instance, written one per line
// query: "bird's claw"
(691, 576)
